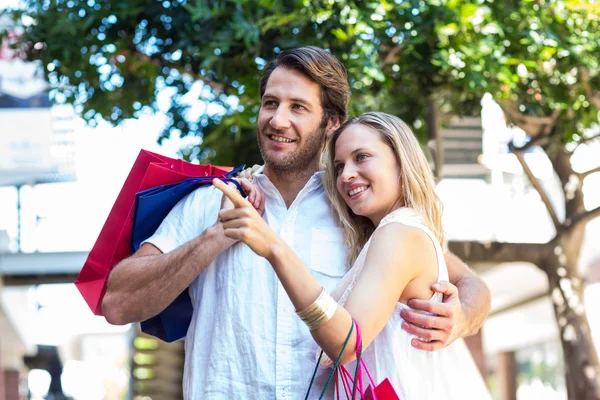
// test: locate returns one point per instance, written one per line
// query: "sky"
(9, 4)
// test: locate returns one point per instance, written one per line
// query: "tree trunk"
(582, 369)
(434, 136)
(559, 260)
(582, 372)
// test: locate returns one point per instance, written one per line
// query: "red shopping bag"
(149, 170)
(353, 386)
(383, 391)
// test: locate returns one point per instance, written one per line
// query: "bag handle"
(225, 178)
(333, 370)
(236, 183)
(359, 357)
(360, 363)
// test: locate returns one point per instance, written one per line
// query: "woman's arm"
(144, 284)
(397, 255)
(465, 307)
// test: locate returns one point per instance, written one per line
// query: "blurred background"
(504, 96)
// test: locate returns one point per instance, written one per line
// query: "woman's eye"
(338, 169)
(361, 157)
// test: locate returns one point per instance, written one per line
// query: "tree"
(111, 60)
(418, 60)
(547, 83)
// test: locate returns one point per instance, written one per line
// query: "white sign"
(25, 145)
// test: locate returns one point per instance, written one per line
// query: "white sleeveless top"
(448, 373)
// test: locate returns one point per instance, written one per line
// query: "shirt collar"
(315, 182)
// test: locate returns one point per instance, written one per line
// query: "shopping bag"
(333, 370)
(383, 391)
(154, 204)
(151, 208)
(353, 384)
(114, 241)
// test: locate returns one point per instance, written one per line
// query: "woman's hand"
(243, 222)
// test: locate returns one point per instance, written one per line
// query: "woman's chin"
(359, 211)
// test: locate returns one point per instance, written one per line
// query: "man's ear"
(332, 125)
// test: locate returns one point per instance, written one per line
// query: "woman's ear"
(332, 125)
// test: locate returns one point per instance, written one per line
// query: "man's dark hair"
(321, 67)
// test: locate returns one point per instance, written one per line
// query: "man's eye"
(299, 107)
(269, 103)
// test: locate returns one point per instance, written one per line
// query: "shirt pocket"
(328, 255)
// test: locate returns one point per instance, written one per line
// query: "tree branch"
(536, 184)
(588, 139)
(592, 96)
(390, 58)
(532, 125)
(585, 140)
(500, 252)
(533, 142)
(587, 173)
(583, 218)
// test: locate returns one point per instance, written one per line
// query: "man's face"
(290, 131)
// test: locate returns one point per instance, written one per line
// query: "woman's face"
(368, 175)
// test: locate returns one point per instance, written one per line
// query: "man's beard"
(299, 160)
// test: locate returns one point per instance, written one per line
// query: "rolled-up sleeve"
(188, 219)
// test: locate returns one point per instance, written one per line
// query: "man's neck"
(289, 184)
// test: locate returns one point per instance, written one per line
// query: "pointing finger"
(231, 193)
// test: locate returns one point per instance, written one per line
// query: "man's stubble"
(301, 159)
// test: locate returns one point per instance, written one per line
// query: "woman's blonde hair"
(416, 180)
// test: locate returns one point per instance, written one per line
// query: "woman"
(380, 184)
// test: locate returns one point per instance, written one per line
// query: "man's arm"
(457, 316)
(144, 284)
(475, 296)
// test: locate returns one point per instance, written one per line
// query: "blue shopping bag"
(151, 208)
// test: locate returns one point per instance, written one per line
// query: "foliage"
(113, 60)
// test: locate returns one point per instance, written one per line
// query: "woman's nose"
(348, 173)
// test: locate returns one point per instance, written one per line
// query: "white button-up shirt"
(245, 340)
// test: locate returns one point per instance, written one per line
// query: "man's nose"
(280, 119)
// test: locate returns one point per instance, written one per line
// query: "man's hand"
(436, 331)
(248, 173)
(255, 196)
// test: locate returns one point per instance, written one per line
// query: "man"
(245, 341)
